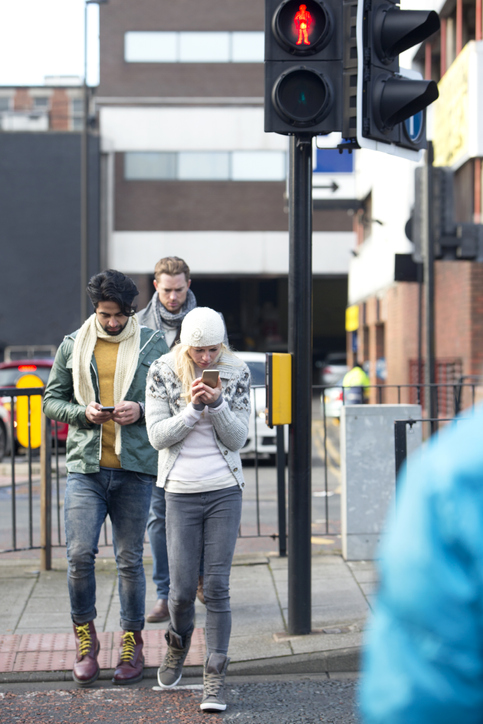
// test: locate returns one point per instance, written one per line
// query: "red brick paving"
(56, 652)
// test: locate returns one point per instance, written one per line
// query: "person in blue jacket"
(423, 660)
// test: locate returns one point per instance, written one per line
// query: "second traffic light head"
(395, 99)
(395, 31)
(391, 103)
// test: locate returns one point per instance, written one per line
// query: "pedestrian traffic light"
(303, 66)
(391, 102)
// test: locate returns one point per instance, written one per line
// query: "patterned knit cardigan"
(164, 407)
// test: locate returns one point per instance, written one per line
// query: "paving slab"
(341, 596)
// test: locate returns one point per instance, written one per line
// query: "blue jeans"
(197, 522)
(124, 496)
(157, 539)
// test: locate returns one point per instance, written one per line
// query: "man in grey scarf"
(170, 303)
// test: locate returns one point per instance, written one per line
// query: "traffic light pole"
(300, 347)
(429, 291)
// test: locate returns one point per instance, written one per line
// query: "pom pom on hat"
(202, 327)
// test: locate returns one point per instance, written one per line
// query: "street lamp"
(84, 215)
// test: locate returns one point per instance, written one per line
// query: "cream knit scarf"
(127, 359)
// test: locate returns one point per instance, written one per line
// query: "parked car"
(332, 399)
(258, 430)
(333, 366)
(12, 371)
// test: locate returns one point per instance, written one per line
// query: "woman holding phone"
(199, 429)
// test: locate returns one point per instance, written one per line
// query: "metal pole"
(13, 402)
(400, 444)
(46, 495)
(282, 520)
(84, 187)
(430, 289)
(300, 347)
(420, 331)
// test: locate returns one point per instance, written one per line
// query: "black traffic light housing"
(391, 103)
(303, 66)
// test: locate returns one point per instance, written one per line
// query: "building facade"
(40, 206)
(390, 338)
(189, 171)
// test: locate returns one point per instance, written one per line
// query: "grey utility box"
(368, 472)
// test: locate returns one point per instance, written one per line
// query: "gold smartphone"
(210, 377)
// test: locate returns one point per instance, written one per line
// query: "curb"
(313, 663)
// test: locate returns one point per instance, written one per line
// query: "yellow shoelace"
(85, 640)
(128, 644)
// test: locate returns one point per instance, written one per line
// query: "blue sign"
(414, 126)
(329, 160)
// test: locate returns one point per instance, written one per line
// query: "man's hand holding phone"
(97, 414)
(124, 413)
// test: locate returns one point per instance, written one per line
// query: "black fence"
(37, 476)
(36, 480)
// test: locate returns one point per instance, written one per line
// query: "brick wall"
(59, 110)
(458, 324)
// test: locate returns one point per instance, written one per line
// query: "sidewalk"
(37, 644)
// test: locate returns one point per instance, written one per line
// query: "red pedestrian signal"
(301, 28)
(303, 66)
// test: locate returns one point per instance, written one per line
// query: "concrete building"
(40, 208)
(189, 171)
(380, 284)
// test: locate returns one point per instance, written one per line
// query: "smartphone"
(210, 377)
(107, 409)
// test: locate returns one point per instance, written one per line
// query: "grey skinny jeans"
(194, 520)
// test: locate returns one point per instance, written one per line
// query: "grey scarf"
(164, 318)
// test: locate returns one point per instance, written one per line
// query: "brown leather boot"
(130, 666)
(200, 594)
(159, 613)
(86, 667)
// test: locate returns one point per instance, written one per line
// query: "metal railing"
(42, 525)
(400, 436)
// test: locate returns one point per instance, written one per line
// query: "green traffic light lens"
(301, 97)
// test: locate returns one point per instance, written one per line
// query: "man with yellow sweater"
(110, 463)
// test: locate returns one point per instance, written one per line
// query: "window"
(205, 166)
(151, 47)
(41, 103)
(149, 166)
(204, 47)
(4, 104)
(247, 47)
(194, 47)
(77, 111)
(258, 166)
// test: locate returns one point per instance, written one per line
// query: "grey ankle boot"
(214, 673)
(170, 671)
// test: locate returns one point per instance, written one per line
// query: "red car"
(10, 373)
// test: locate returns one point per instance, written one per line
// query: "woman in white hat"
(199, 431)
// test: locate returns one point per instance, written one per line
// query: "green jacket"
(83, 440)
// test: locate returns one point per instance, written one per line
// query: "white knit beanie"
(202, 327)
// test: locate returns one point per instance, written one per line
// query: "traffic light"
(452, 240)
(391, 102)
(303, 66)
(440, 205)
